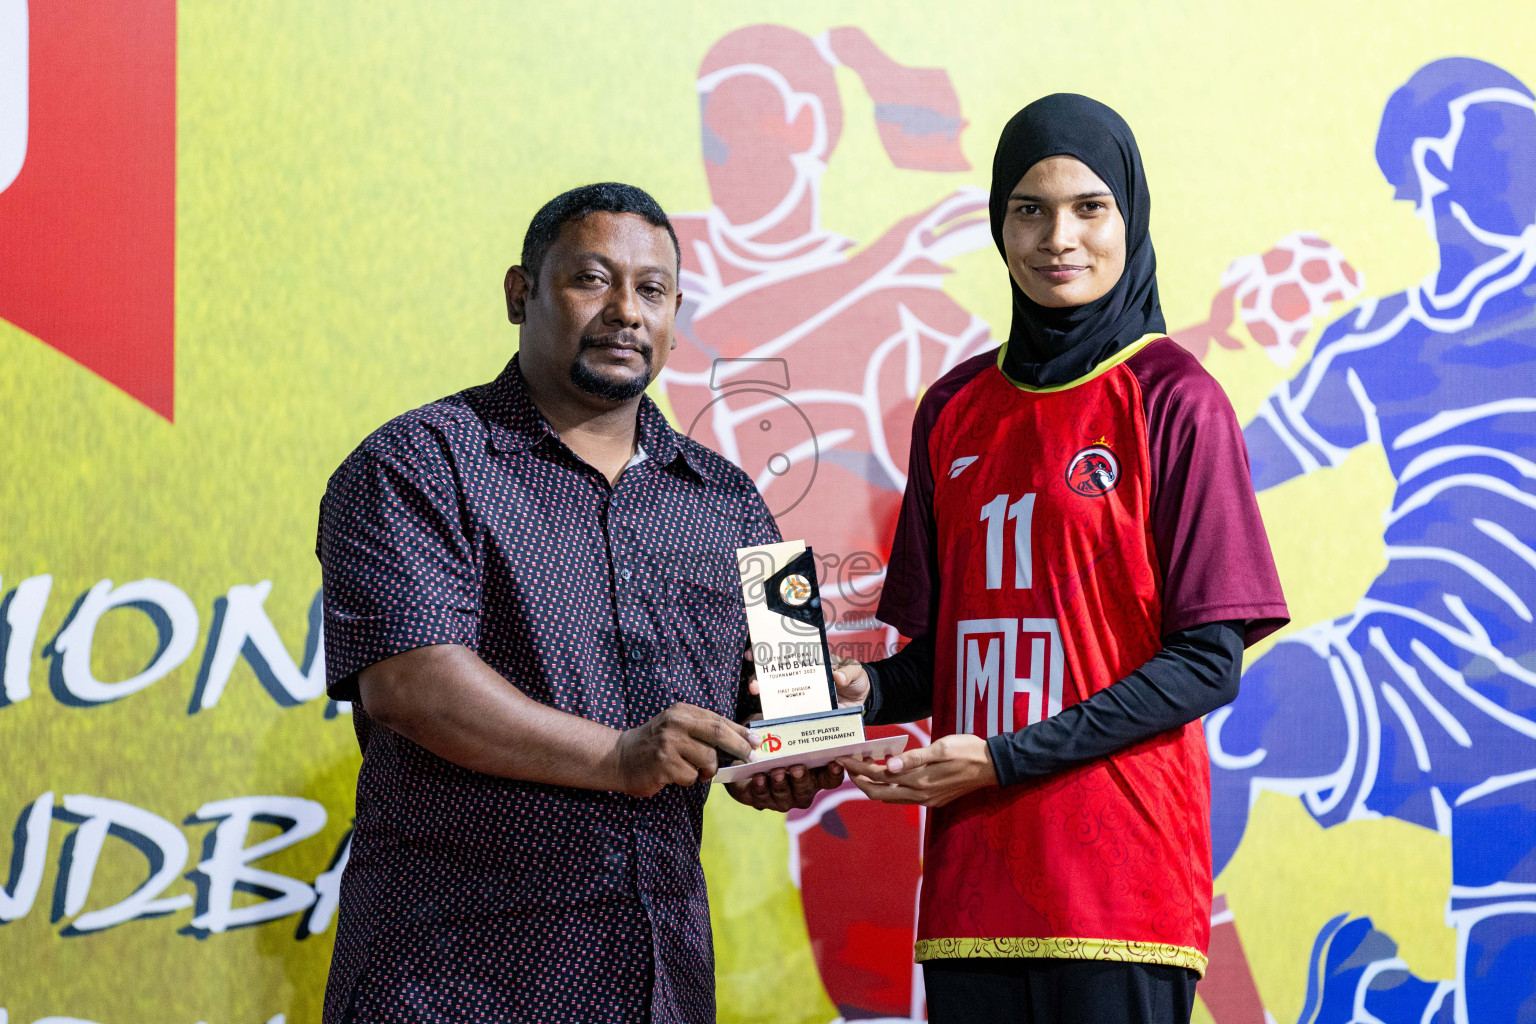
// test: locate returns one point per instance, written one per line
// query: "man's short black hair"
(602, 197)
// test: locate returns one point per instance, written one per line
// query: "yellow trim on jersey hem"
(1104, 367)
(1122, 950)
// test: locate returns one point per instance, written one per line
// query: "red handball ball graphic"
(1281, 293)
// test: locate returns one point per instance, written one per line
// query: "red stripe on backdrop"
(88, 227)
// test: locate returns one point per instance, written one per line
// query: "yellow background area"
(353, 180)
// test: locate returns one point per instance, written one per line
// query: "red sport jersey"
(1049, 538)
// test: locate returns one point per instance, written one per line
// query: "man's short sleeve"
(399, 571)
(1210, 539)
(760, 526)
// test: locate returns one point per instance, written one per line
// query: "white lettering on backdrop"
(239, 628)
(227, 868)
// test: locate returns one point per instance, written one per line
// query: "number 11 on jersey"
(1022, 513)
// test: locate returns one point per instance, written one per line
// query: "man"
(531, 596)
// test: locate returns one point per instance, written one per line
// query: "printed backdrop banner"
(238, 237)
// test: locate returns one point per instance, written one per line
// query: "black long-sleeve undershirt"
(1194, 673)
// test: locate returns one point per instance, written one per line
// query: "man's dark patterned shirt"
(473, 898)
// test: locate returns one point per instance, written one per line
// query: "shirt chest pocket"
(708, 623)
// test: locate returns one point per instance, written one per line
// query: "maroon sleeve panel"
(1210, 540)
(909, 600)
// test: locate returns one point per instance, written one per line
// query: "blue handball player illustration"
(1421, 704)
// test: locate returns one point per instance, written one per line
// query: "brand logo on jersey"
(1094, 471)
(1008, 674)
(961, 464)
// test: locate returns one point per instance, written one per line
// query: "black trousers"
(1050, 990)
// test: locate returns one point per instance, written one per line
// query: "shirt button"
(626, 574)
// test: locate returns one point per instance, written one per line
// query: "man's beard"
(599, 386)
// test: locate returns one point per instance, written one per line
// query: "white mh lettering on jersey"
(987, 679)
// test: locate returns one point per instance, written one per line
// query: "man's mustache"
(618, 339)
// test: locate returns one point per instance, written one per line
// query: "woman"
(1078, 564)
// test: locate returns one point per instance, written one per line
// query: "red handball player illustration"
(858, 337)
(803, 364)
(1278, 296)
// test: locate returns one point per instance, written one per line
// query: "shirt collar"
(516, 424)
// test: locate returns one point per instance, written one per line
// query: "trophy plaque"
(801, 722)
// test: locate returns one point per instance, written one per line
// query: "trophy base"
(804, 733)
(886, 746)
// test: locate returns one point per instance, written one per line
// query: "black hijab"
(1049, 346)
